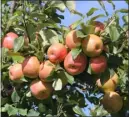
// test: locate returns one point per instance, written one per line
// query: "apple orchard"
(51, 70)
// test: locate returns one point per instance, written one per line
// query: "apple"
(45, 70)
(75, 66)
(30, 67)
(56, 52)
(108, 85)
(98, 64)
(99, 26)
(40, 90)
(8, 40)
(112, 102)
(92, 46)
(15, 72)
(71, 40)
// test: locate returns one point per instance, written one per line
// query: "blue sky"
(84, 6)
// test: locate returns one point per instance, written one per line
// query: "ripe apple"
(8, 40)
(112, 102)
(92, 46)
(108, 85)
(99, 26)
(15, 72)
(45, 70)
(75, 66)
(98, 64)
(41, 90)
(71, 40)
(56, 52)
(30, 67)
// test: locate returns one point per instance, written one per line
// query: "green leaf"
(75, 24)
(33, 113)
(41, 107)
(12, 110)
(57, 84)
(122, 11)
(28, 94)
(77, 13)
(125, 19)
(5, 108)
(113, 32)
(75, 52)
(17, 58)
(59, 5)
(103, 6)
(4, 100)
(18, 43)
(98, 16)
(22, 111)
(113, 5)
(70, 78)
(70, 5)
(87, 29)
(80, 34)
(15, 97)
(91, 11)
(23, 79)
(78, 111)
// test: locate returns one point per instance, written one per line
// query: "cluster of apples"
(92, 48)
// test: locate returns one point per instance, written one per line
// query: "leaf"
(33, 113)
(23, 79)
(80, 34)
(122, 11)
(102, 5)
(57, 84)
(77, 13)
(12, 110)
(91, 11)
(78, 111)
(22, 111)
(17, 58)
(87, 29)
(18, 43)
(125, 19)
(70, 78)
(113, 5)
(98, 16)
(75, 52)
(41, 107)
(113, 32)
(75, 24)
(28, 94)
(70, 5)
(15, 97)
(59, 5)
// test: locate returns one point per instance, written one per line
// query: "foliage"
(40, 23)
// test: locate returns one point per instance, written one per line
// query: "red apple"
(15, 72)
(45, 70)
(57, 52)
(8, 40)
(41, 90)
(75, 66)
(30, 67)
(98, 64)
(92, 46)
(71, 40)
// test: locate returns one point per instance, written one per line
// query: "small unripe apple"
(56, 52)
(92, 46)
(30, 67)
(71, 40)
(112, 102)
(41, 90)
(15, 72)
(8, 40)
(98, 64)
(45, 70)
(75, 66)
(108, 85)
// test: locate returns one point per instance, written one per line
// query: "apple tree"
(51, 70)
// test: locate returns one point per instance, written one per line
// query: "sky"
(83, 7)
